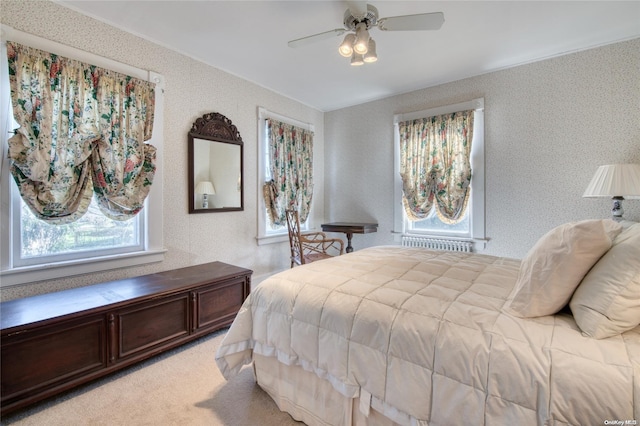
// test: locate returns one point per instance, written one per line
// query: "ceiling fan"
(359, 18)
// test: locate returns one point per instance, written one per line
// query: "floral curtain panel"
(435, 165)
(291, 162)
(82, 132)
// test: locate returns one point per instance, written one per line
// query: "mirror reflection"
(217, 178)
(215, 165)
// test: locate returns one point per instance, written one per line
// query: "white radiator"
(437, 243)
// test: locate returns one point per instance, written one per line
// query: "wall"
(192, 89)
(548, 126)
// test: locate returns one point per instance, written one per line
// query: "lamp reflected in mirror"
(205, 188)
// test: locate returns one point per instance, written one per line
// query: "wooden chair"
(310, 246)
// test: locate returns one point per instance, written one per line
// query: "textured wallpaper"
(548, 126)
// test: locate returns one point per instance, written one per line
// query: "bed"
(394, 335)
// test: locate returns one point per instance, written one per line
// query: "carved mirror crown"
(216, 126)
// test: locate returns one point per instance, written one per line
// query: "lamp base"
(205, 202)
(617, 210)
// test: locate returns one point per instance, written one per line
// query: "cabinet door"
(144, 329)
(48, 359)
(217, 305)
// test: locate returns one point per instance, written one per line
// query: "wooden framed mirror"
(216, 183)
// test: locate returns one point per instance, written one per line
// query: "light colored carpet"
(181, 387)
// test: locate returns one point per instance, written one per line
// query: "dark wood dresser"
(53, 342)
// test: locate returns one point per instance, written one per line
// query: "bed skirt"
(310, 399)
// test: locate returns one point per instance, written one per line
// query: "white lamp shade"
(615, 180)
(371, 55)
(205, 187)
(361, 44)
(357, 59)
(346, 48)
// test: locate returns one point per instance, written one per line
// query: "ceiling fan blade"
(358, 9)
(316, 37)
(419, 22)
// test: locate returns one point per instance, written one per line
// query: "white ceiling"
(249, 39)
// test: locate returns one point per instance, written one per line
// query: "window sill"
(281, 238)
(272, 239)
(27, 274)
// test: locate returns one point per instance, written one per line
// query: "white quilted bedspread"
(420, 335)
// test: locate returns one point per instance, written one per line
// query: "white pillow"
(556, 264)
(607, 302)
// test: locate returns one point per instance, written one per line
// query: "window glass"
(92, 235)
(433, 224)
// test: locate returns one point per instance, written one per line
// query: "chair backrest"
(293, 224)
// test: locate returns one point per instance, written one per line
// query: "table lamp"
(616, 181)
(205, 188)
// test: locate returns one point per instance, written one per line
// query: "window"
(433, 225)
(92, 235)
(266, 232)
(471, 226)
(34, 250)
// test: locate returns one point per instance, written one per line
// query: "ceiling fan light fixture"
(371, 55)
(356, 60)
(358, 19)
(361, 44)
(346, 48)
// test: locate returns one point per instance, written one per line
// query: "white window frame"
(477, 233)
(19, 261)
(153, 251)
(265, 234)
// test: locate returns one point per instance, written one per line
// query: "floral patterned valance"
(435, 165)
(82, 132)
(291, 169)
